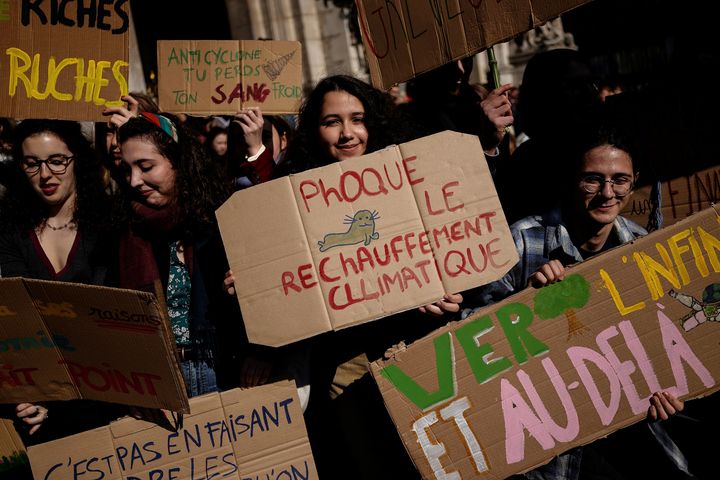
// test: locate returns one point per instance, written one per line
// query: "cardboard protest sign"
(404, 38)
(225, 76)
(681, 197)
(238, 434)
(63, 341)
(549, 369)
(12, 451)
(364, 238)
(63, 59)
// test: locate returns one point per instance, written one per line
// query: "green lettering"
(445, 368)
(482, 366)
(515, 318)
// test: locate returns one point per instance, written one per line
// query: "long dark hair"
(23, 207)
(382, 121)
(199, 187)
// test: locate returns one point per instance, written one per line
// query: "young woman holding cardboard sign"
(54, 227)
(172, 247)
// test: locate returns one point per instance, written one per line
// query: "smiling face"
(150, 173)
(55, 189)
(608, 163)
(343, 133)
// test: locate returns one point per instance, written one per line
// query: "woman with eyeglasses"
(54, 225)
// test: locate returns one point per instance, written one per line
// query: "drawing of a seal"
(362, 229)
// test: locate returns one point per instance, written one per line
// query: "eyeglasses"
(57, 164)
(621, 186)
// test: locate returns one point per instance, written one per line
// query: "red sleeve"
(264, 166)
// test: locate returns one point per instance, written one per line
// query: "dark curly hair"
(23, 207)
(199, 185)
(382, 121)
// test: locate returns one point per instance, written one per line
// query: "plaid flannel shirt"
(539, 239)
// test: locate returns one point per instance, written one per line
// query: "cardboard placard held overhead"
(63, 60)
(681, 197)
(12, 451)
(225, 76)
(64, 341)
(549, 369)
(238, 434)
(365, 238)
(404, 38)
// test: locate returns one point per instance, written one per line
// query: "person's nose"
(45, 172)
(347, 132)
(607, 189)
(135, 178)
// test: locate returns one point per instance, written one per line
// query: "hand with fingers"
(254, 372)
(498, 112)
(119, 116)
(229, 283)
(664, 405)
(450, 303)
(32, 415)
(251, 121)
(551, 272)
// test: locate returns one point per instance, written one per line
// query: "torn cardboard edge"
(460, 414)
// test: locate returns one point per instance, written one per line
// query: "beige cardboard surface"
(365, 238)
(681, 197)
(224, 76)
(549, 369)
(58, 60)
(404, 38)
(63, 341)
(12, 450)
(238, 434)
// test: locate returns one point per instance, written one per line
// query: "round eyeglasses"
(57, 164)
(621, 186)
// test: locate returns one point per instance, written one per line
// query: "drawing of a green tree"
(562, 298)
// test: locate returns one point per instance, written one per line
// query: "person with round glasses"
(55, 225)
(595, 185)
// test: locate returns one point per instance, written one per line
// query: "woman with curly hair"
(53, 227)
(172, 247)
(343, 117)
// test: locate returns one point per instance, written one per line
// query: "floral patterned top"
(178, 298)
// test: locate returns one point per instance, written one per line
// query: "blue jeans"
(199, 378)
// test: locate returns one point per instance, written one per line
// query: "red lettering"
(288, 281)
(343, 187)
(305, 277)
(219, 89)
(409, 170)
(492, 253)
(307, 196)
(424, 243)
(459, 267)
(429, 206)
(447, 193)
(381, 189)
(324, 276)
(455, 233)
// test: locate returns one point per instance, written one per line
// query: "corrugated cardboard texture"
(59, 61)
(225, 76)
(549, 369)
(404, 38)
(681, 197)
(365, 238)
(64, 341)
(238, 434)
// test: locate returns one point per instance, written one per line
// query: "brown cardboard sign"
(63, 60)
(404, 38)
(225, 76)
(365, 238)
(64, 341)
(549, 369)
(238, 434)
(12, 450)
(681, 197)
